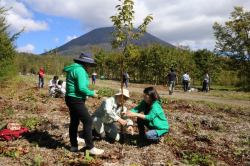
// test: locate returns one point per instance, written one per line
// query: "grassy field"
(201, 133)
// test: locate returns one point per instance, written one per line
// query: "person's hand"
(130, 114)
(122, 122)
(130, 130)
(95, 94)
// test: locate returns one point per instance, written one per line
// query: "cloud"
(29, 48)
(68, 38)
(175, 21)
(20, 18)
(56, 40)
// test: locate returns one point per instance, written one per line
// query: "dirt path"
(178, 94)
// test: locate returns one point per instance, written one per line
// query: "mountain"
(101, 38)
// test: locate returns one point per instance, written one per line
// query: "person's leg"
(86, 119)
(173, 86)
(39, 82)
(126, 83)
(74, 122)
(141, 128)
(152, 135)
(42, 80)
(98, 125)
(112, 131)
(73, 127)
(185, 86)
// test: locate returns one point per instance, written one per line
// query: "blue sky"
(52, 23)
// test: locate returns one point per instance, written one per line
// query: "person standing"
(125, 78)
(41, 74)
(93, 77)
(77, 82)
(205, 87)
(185, 80)
(171, 77)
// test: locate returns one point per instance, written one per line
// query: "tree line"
(228, 65)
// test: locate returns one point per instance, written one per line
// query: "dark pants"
(149, 135)
(40, 82)
(79, 112)
(185, 85)
(205, 86)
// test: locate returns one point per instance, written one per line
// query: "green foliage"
(206, 62)
(123, 23)
(38, 160)
(234, 39)
(195, 158)
(106, 92)
(124, 30)
(31, 122)
(9, 111)
(7, 51)
(87, 158)
(12, 153)
(52, 63)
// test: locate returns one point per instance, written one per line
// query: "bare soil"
(199, 134)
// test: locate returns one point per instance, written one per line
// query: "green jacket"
(156, 117)
(77, 82)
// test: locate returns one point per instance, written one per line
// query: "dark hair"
(55, 78)
(172, 70)
(60, 82)
(152, 93)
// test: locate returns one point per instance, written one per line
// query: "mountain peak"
(101, 38)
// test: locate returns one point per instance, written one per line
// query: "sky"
(48, 24)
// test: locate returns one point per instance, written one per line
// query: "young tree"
(233, 39)
(124, 29)
(7, 51)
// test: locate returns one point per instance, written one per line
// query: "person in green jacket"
(150, 114)
(77, 82)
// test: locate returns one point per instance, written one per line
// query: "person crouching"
(109, 112)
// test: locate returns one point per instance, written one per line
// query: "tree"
(7, 51)
(124, 29)
(206, 62)
(233, 39)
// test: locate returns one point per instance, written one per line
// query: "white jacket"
(109, 112)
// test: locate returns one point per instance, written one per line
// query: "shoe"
(74, 149)
(96, 151)
(80, 140)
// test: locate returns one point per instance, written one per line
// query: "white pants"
(109, 128)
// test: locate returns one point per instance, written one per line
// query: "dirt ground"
(199, 134)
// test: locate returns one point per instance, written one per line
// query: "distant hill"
(101, 38)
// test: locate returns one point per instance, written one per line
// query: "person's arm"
(110, 111)
(81, 77)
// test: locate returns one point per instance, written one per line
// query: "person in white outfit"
(108, 113)
(52, 85)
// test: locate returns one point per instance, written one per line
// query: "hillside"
(101, 38)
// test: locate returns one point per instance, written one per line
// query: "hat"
(85, 58)
(125, 93)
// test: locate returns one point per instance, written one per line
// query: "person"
(60, 89)
(41, 74)
(125, 79)
(109, 112)
(171, 77)
(77, 82)
(93, 77)
(205, 87)
(52, 85)
(150, 114)
(185, 81)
